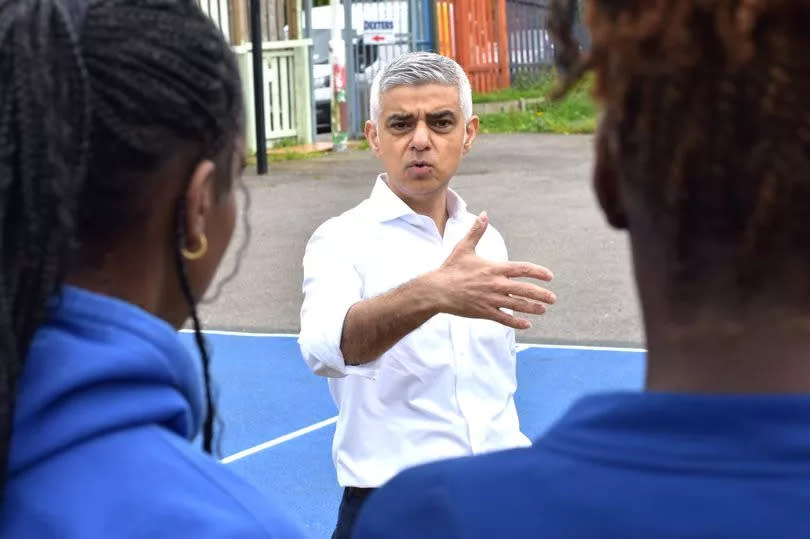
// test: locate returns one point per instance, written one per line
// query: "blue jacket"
(107, 406)
(623, 466)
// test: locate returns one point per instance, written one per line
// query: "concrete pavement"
(537, 191)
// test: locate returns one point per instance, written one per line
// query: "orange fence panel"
(473, 32)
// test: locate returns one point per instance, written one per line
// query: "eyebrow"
(442, 114)
(400, 118)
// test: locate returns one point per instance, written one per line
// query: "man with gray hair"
(409, 299)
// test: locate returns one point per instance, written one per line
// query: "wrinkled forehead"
(420, 100)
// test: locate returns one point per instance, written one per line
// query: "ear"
(373, 137)
(470, 132)
(606, 179)
(199, 201)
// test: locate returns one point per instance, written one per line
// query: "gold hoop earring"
(199, 253)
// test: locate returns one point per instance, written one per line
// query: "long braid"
(152, 78)
(199, 338)
(156, 99)
(44, 136)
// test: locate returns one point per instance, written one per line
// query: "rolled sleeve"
(331, 286)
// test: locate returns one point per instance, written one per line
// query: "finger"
(470, 241)
(526, 269)
(497, 315)
(523, 306)
(530, 291)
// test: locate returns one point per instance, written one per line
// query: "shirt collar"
(387, 206)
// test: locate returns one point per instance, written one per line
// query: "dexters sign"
(378, 32)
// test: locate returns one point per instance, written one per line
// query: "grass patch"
(280, 154)
(294, 156)
(285, 142)
(524, 85)
(277, 157)
(575, 113)
(361, 144)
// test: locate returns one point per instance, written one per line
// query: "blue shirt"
(107, 406)
(620, 466)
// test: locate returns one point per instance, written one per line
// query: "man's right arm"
(332, 285)
(374, 325)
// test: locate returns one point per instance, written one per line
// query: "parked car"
(366, 65)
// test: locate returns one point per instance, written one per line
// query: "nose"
(421, 137)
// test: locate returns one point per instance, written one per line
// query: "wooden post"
(292, 19)
(503, 44)
(239, 32)
(281, 13)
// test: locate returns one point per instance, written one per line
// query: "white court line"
(520, 346)
(581, 347)
(280, 440)
(242, 333)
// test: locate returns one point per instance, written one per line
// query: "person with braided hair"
(121, 147)
(703, 156)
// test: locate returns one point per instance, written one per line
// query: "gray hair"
(415, 69)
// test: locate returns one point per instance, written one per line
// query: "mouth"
(420, 167)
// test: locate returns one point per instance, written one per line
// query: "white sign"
(379, 32)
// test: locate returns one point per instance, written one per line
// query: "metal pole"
(258, 85)
(351, 95)
(412, 23)
(308, 34)
(433, 25)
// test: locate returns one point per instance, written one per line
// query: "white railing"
(219, 11)
(287, 111)
(287, 95)
(279, 100)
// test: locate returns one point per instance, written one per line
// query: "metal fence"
(412, 30)
(530, 48)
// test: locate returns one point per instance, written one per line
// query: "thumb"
(472, 238)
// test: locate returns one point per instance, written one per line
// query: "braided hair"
(708, 105)
(95, 94)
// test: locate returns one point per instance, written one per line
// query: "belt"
(359, 492)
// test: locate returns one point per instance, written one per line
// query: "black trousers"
(350, 505)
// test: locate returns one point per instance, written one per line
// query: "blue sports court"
(279, 417)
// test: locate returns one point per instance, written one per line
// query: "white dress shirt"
(444, 390)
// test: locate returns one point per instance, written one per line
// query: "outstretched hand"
(473, 287)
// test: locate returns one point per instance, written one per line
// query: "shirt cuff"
(320, 343)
